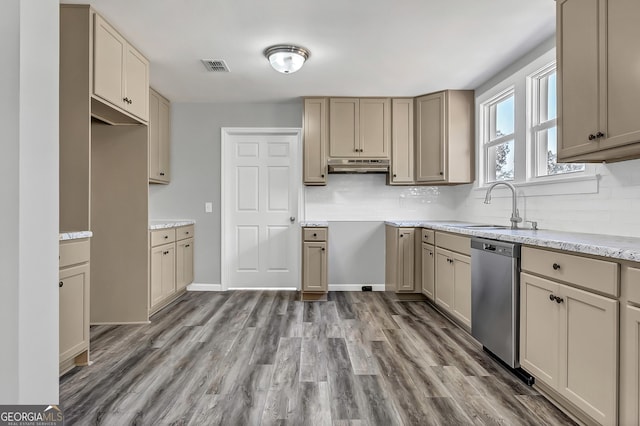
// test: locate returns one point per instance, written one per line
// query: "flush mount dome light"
(286, 59)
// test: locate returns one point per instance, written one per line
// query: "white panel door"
(260, 193)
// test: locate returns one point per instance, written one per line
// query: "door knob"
(292, 219)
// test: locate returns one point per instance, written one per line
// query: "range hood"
(357, 166)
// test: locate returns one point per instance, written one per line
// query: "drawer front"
(184, 232)
(163, 236)
(593, 274)
(74, 252)
(428, 236)
(315, 234)
(632, 284)
(457, 243)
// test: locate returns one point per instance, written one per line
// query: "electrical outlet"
(208, 207)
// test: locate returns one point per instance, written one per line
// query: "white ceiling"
(358, 47)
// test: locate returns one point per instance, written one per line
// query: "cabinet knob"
(394, 175)
(599, 135)
(431, 254)
(592, 137)
(441, 173)
(401, 235)
(161, 173)
(60, 284)
(322, 175)
(559, 299)
(166, 237)
(315, 235)
(556, 266)
(187, 245)
(323, 249)
(552, 297)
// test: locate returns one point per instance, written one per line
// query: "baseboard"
(120, 323)
(265, 288)
(354, 287)
(204, 287)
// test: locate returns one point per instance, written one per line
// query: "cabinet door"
(630, 369)
(581, 74)
(428, 270)
(375, 127)
(344, 127)
(315, 141)
(136, 83)
(589, 353)
(401, 141)
(431, 137)
(164, 140)
(163, 278)
(444, 279)
(623, 84)
(462, 288)
(184, 263)
(108, 63)
(539, 328)
(406, 255)
(74, 311)
(154, 136)
(314, 266)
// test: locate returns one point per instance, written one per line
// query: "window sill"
(560, 186)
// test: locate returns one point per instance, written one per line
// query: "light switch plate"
(208, 207)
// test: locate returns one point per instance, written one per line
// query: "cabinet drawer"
(184, 232)
(458, 243)
(428, 236)
(163, 236)
(74, 252)
(593, 274)
(315, 234)
(632, 285)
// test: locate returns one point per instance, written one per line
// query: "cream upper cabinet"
(445, 137)
(598, 82)
(159, 138)
(359, 127)
(402, 143)
(315, 141)
(120, 72)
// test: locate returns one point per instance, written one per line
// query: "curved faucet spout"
(515, 215)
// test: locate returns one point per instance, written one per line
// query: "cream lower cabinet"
(453, 276)
(74, 304)
(171, 264)
(402, 260)
(630, 346)
(428, 270)
(569, 336)
(314, 260)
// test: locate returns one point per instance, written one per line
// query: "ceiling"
(358, 47)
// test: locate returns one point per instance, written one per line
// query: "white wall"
(366, 197)
(608, 205)
(195, 169)
(29, 190)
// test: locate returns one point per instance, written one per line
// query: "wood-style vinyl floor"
(266, 358)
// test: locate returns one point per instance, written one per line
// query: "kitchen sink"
(488, 227)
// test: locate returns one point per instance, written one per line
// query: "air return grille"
(215, 65)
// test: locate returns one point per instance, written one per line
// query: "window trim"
(488, 118)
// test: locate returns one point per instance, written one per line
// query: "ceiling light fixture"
(286, 59)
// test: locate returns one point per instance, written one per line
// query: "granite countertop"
(613, 246)
(314, 224)
(164, 224)
(65, 236)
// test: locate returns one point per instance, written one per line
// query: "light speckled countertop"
(613, 246)
(164, 224)
(314, 224)
(65, 236)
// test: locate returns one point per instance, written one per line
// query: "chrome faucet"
(515, 216)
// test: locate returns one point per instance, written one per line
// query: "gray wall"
(195, 169)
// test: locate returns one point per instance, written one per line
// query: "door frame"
(225, 136)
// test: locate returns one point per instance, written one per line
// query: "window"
(543, 128)
(499, 113)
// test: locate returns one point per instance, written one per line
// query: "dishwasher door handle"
(488, 247)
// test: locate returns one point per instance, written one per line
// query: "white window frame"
(489, 120)
(535, 155)
(517, 77)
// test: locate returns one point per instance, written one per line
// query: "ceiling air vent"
(215, 65)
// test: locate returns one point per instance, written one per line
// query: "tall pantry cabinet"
(103, 161)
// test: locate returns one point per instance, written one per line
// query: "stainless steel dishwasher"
(495, 294)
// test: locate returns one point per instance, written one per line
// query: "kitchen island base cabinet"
(314, 262)
(569, 341)
(74, 304)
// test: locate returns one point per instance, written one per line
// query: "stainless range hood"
(358, 166)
